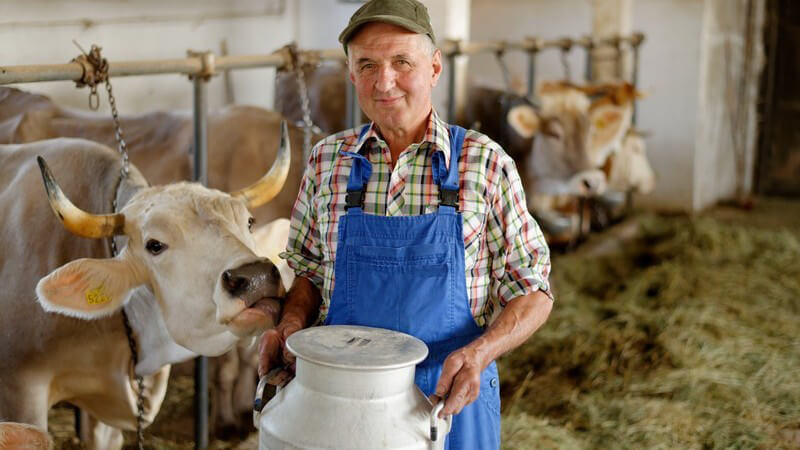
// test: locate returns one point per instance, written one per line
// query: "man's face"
(394, 71)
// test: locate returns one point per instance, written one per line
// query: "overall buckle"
(448, 197)
(354, 199)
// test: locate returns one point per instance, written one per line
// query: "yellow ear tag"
(96, 296)
(600, 123)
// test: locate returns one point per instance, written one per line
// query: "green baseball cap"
(409, 14)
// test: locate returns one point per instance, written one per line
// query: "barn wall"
(41, 32)
(727, 121)
(493, 20)
(669, 71)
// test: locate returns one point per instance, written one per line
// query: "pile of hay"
(686, 337)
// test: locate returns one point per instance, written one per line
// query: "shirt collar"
(436, 135)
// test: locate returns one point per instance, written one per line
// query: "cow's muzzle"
(258, 286)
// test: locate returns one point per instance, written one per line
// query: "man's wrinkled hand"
(272, 350)
(460, 381)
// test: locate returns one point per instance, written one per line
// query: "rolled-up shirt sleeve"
(303, 252)
(520, 256)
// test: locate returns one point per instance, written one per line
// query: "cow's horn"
(76, 220)
(270, 184)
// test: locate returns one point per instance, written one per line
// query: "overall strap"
(447, 180)
(359, 175)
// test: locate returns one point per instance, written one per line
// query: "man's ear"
(437, 67)
(87, 288)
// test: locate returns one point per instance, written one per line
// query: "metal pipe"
(353, 115)
(588, 73)
(468, 48)
(188, 66)
(638, 39)
(451, 88)
(200, 174)
(531, 73)
(193, 65)
(201, 402)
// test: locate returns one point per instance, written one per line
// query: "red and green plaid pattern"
(505, 252)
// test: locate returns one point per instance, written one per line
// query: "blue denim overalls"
(407, 274)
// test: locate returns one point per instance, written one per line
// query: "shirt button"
(493, 382)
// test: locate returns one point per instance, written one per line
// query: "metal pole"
(200, 174)
(451, 88)
(588, 69)
(353, 114)
(635, 81)
(531, 73)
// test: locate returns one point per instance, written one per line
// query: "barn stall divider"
(201, 66)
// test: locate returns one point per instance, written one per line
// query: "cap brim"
(351, 29)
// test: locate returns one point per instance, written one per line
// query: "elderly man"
(410, 224)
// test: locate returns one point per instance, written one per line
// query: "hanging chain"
(566, 45)
(503, 66)
(296, 63)
(95, 71)
(139, 383)
(305, 105)
(121, 145)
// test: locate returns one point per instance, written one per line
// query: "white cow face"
(191, 246)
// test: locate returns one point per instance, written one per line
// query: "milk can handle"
(435, 421)
(260, 402)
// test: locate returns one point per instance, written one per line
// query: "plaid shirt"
(505, 252)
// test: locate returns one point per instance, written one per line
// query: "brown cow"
(186, 275)
(242, 142)
(326, 84)
(561, 144)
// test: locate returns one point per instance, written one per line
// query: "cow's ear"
(523, 120)
(87, 288)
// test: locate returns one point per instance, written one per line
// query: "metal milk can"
(353, 389)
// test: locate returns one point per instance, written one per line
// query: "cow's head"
(190, 245)
(629, 169)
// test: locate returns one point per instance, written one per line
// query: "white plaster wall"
(669, 70)
(728, 95)
(41, 32)
(493, 20)
(319, 22)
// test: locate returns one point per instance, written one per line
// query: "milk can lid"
(355, 347)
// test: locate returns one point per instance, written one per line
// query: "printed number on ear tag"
(96, 296)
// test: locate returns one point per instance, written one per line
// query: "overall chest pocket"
(406, 289)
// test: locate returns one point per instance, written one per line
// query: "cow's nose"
(234, 283)
(251, 281)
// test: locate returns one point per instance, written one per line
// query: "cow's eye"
(155, 247)
(250, 223)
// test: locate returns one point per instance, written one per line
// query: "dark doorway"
(778, 170)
